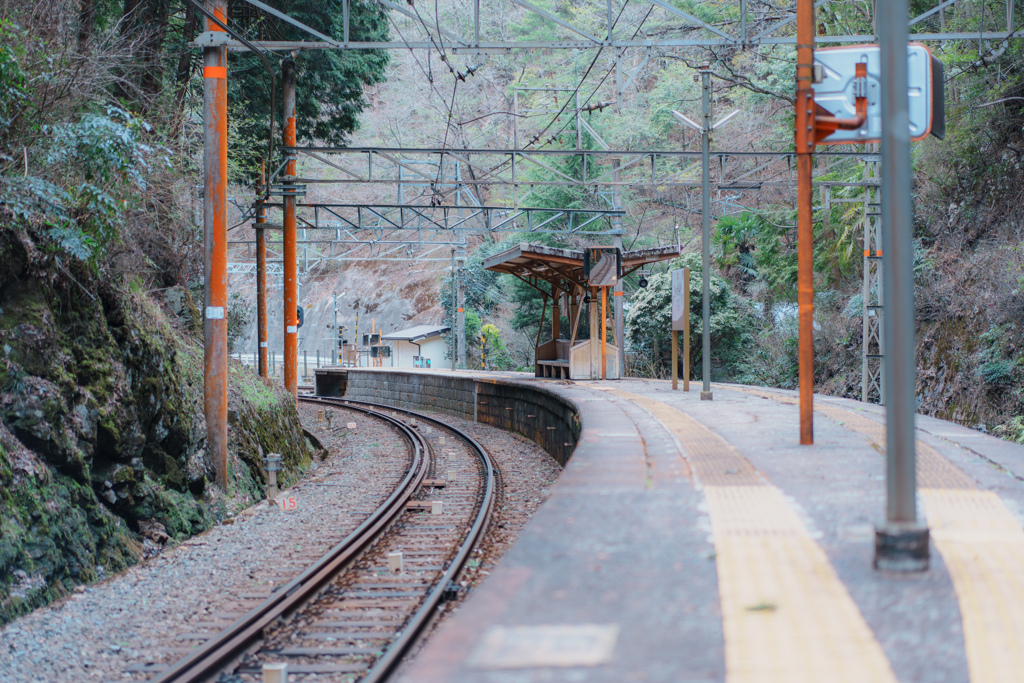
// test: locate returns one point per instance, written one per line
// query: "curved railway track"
(382, 612)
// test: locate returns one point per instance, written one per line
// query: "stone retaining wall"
(539, 414)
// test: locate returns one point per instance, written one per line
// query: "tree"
(649, 320)
(493, 350)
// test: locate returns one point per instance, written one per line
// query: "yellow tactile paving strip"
(786, 616)
(933, 471)
(980, 541)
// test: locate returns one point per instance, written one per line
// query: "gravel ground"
(153, 612)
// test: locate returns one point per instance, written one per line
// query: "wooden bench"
(558, 369)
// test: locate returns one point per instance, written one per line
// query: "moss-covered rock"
(102, 427)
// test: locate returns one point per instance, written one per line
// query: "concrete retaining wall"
(542, 416)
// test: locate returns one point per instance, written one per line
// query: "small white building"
(418, 347)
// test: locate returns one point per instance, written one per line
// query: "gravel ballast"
(154, 612)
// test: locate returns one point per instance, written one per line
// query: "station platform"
(695, 541)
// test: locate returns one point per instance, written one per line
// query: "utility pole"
(215, 327)
(805, 139)
(261, 278)
(705, 231)
(454, 312)
(460, 311)
(616, 194)
(617, 292)
(291, 294)
(704, 128)
(902, 542)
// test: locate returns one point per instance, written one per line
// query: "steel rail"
(208, 659)
(410, 634)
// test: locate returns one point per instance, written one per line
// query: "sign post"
(681, 321)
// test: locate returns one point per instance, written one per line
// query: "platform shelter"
(566, 281)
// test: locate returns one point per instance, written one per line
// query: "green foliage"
(1012, 430)
(12, 85)
(329, 83)
(997, 369)
(99, 164)
(997, 373)
(483, 294)
(239, 314)
(493, 349)
(649, 320)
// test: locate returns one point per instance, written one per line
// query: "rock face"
(102, 435)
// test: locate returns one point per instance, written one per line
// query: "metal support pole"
(556, 316)
(902, 542)
(686, 329)
(805, 220)
(460, 311)
(455, 304)
(705, 231)
(604, 333)
(618, 293)
(291, 266)
(261, 284)
(215, 327)
(675, 360)
(873, 315)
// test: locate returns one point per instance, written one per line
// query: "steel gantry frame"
(731, 28)
(397, 232)
(873, 322)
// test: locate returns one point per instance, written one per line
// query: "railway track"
(359, 608)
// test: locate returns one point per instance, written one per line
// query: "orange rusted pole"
(805, 219)
(291, 264)
(604, 333)
(261, 281)
(215, 327)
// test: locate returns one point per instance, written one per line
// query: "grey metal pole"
(705, 229)
(455, 304)
(460, 311)
(334, 332)
(902, 542)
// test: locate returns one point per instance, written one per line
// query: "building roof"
(563, 268)
(415, 334)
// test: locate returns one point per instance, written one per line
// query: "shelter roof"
(415, 334)
(563, 268)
